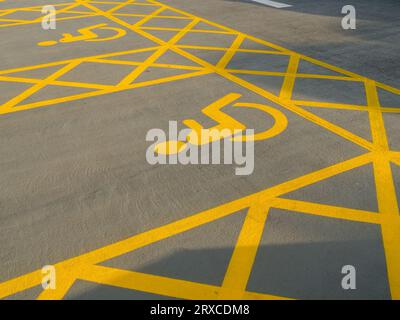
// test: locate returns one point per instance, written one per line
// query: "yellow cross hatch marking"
(378, 153)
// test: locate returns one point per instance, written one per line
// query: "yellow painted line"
(340, 131)
(301, 112)
(379, 156)
(241, 263)
(320, 76)
(64, 281)
(27, 93)
(101, 92)
(385, 190)
(75, 265)
(38, 21)
(290, 77)
(326, 210)
(332, 67)
(21, 283)
(65, 8)
(163, 232)
(388, 88)
(188, 46)
(336, 129)
(57, 83)
(343, 106)
(330, 105)
(191, 31)
(314, 177)
(257, 72)
(214, 48)
(58, 11)
(322, 122)
(396, 161)
(298, 75)
(376, 120)
(285, 103)
(157, 285)
(138, 71)
(279, 48)
(104, 2)
(395, 154)
(141, 22)
(19, 79)
(390, 110)
(156, 65)
(38, 8)
(257, 296)
(213, 214)
(121, 5)
(92, 14)
(82, 59)
(390, 225)
(122, 2)
(160, 16)
(395, 157)
(11, 20)
(134, 74)
(230, 52)
(81, 85)
(5, 12)
(150, 283)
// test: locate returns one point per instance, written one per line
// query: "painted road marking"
(274, 4)
(226, 126)
(377, 153)
(86, 34)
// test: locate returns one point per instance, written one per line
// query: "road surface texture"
(77, 193)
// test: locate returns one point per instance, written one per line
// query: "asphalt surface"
(75, 181)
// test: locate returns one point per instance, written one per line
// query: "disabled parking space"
(78, 193)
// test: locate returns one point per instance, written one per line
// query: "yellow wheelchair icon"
(87, 34)
(213, 111)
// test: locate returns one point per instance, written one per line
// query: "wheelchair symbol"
(87, 34)
(213, 111)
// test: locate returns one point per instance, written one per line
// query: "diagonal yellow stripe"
(244, 254)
